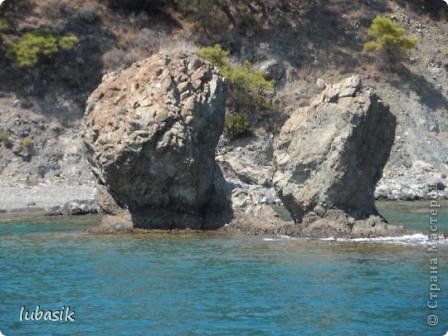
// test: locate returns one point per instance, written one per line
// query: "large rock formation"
(151, 132)
(329, 157)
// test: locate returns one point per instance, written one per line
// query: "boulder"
(273, 69)
(320, 83)
(74, 208)
(151, 131)
(329, 157)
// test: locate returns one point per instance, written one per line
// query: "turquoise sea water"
(208, 284)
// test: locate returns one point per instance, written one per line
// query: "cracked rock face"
(151, 132)
(329, 157)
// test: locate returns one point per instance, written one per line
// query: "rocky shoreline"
(44, 198)
(152, 131)
(50, 199)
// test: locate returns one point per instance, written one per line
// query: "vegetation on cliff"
(389, 39)
(4, 138)
(3, 25)
(26, 50)
(236, 126)
(247, 87)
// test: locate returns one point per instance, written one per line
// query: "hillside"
(300, 44)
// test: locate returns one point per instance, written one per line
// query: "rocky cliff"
(151, 132)
(329, 157)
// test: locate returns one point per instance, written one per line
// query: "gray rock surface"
(248, 160)
(54, 154)
(419, 154)
(247, 168)
(329, 157)
(273, 69)
(411, 184)
(44, 197)
(320, 84)
(75, 208)
(151, 132)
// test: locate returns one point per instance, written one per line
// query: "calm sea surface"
(208, 284)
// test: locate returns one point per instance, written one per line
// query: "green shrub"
(3, 25)
(27, 143)
(236, 126)
(244, 77)
(217, 56)
(27, 50)
(247, 85)
(68, 42)
(389, 38)
(4, 138)
(121, 44)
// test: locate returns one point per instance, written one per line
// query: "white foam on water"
(271, 239)
(328, 239)
(410, 239)
(284, 237)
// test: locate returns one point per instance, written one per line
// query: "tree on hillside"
(3, 25)
(389, 39)
(247, 89)
(26, 50)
